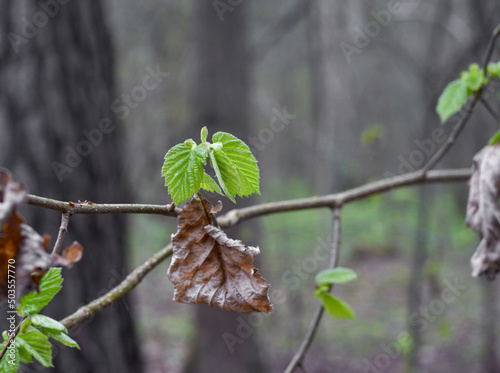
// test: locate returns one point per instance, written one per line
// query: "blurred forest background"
(329, 95)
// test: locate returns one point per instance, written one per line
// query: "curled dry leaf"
(483, 211)
(208, 267)
(23, 252)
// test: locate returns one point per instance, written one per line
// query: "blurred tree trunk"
(60, 137)
(220, 102)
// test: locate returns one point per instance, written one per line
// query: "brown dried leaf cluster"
(21, 246)
(208, 267)
(483, 211)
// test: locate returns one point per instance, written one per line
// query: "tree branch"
(130, 282)
(235, 216)
(490, 109)
(62, 232)
(468, 112)
(318, 314)
(88, 207)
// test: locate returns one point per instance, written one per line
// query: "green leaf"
(243, 161)
(209, 184)
(49, 286)
(25, 325)
(495, 138)
(24, 355)
(337, 275)
(372, 134)
(452, 99)
(48, 323)
(10, 363)
(204, 134)
(474, 78)
(322, 289)
(64, 339)
(183, 170)
(336, 307)
(38, 345)
(225, 172)
(494, 69)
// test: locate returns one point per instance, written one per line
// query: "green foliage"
(495, 138)
(473, 79)
(372, 134)
(234, 165)
(49, 286)
(37, 345)
(32, 341)
(336, 307)
(494, 69)
(455, 94)
(9, 364)
(333, 305)
(452, 99)
(337, 275)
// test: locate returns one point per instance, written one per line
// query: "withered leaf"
(483, 211)
(23, 252)
(208, 267)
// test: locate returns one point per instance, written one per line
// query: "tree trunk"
(61, 138)
(220, 102)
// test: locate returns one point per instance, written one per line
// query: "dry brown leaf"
(71, 255)
(208, 267)
(483, 211)
(21, 246)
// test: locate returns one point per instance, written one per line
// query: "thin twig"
(318, 314)
(62, 232)
(490, 109)
(468, 112)
(88, 207)
(235, 216)
(491, 45)
(130, 282)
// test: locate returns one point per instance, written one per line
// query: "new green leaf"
(474, 78)
(452, 99)
(336, 307)
(337, 275)
(183, 170)
(244, 162)
(38, 345)
(209, 184)
(204, 134)
(225, 172)
(494, 69)
(63, 338)
(495, 138)
(49, 286)
(47, 323)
